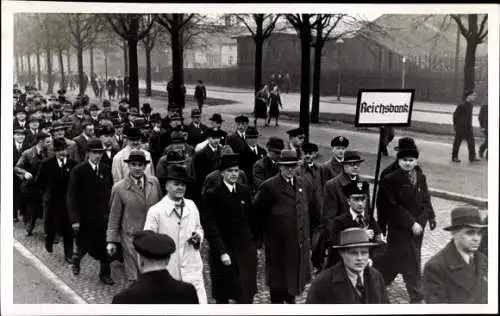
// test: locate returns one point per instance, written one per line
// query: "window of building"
(230, 60)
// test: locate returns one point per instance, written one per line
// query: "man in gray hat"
(131, 198)
(458, 274)
(157, 286)
(352, 280)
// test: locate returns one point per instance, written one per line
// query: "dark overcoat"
(449, 280)
(107, 160)
(333, 286)
(329, 170)
(214, 178)
(283, 217)
(196, 135)
(157, 287)
(405, 205)
(88, 204)
(248, 158)
(53, 182)
(262, 170)
(236, 142)
(81, 148)
(229, 226)
(204, 162)
(30, 138)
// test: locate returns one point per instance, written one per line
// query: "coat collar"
(458, 268)
(168, 205)
(345, 180)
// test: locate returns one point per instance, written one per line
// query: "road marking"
(45, 271)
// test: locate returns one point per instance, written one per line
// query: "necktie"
(360, 221)
(255, 151)
(139, 184)
(97, 171)
(359, 286)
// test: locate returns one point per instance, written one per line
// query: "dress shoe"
(473, 160)
(49, 247)
(456, 160)
(106, 279)
(75, 266)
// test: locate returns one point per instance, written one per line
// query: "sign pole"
(377, 169)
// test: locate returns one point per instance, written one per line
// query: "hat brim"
(351, 161)
(184, 180)
(364, 244)
(455, 227)
(294, 162)
(95, 149)
(133, 160)
(176, 162)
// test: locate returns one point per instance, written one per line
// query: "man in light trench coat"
(130, 200)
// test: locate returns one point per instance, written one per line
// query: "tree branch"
(483, 24)
(241, 19)
(463, 30)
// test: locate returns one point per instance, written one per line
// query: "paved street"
(423, 111)
(87, 284)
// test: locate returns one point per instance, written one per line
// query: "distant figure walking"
(462, 122)
(287, 82)
(200, 94)
(274, 105)
(261, 100)
(483, 123)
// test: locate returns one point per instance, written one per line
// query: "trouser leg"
(277, 296)
(67, 234)
(484, 145)
(471, 144)
(456, 144)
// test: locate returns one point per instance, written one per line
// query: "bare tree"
(474, 35)
(176, 24)
(132, 28)
(260, 27)
(148, 42)
(83, 29)
(46, 23)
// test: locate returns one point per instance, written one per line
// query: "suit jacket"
(262, 170)
(76, 127)
(196, 135)
(18, 125)
(107, 160)
(30, 138)
(236, 142)
(204, 162)
(329, 170)
(157, 287)
(449, 280)
(30, 161)
(334, 287)
(81, 148)
(248, 158)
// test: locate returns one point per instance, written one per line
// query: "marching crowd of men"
(146, 190)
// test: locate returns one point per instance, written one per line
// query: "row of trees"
(47, 34)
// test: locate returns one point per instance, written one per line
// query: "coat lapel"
(285, 187)
(458, 268)
(132, 187)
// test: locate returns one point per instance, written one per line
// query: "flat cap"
(153, 245)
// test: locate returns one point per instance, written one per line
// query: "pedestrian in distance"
(352, 280)
(200, 94)
(483, 124)
(261, 102)
(274, 105)
(156, 286)
(458, 274)
(462, 123)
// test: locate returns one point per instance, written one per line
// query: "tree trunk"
(259, 44)
(68, 60)
(18, 69)
(91, 60)
(106, 64)
(318, 47)
(182, 99)
(125, 57)
(38, 69)
(81, 80)
(470, 64)
(148, 71)
(62, 82)
(305, 42)
(29, 66)
(133, 73)
(50, 78)
(176, 65)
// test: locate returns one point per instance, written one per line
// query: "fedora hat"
(216, 117)
(241, 119)
(407, 152)
(137, 156)
(179, 173)
(354, 237)
(288, 157)
(275, 144)
(351, 156)
(465, 216)
(195, 113)
(133, 133)
(59, 144)
(228, 161)
(251, 132)
(309, 148)
(405, 142)
(94, 144)
(146, 108)
(295, 132)
(174, 157)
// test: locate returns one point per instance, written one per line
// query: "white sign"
(384, 107)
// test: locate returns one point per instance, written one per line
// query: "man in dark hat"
(58, 131)
(266, 167)
(217, 121)
(52, 180)
(78, 119)
(88, 196)
(88, 132)
(180, 217)
(229, 224)
(196, 130)
(107, 136)
(175, 124)
(352, 280)
(33, 130)
(26, 169)
(61, 98)
(296, 138)
(251, 153)
(462, 123)
(333, 167)
(200, 94)
(57, 112)
(237, 139)
(20, 121)
(408, 208)
(154, 140)
(146, 111)
(285, 209)
(19, 147)
(120, 138)
(47, 115)
(156, 285)
(458, 274)
(171, 157)
(94, 114)
(131, 198)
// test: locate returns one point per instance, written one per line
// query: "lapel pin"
(242, 202)
(300, 189)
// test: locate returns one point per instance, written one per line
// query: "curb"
(47, 273)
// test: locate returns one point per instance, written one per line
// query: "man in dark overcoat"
(458, 274)
(352, 280)
(196, 130)
(33, 129)
(296, 138)
(107, 136)
(52, 179)
(89, 192)
(237, 139)
(200, 94)
(19, 148)
(408, 207)
(229, 225)
(333, 167)
(78, 119)
(283, 205)
(462, 123)
(157, 286)
(251, 153)
(20, 118)
(88, 132)
(266, 167)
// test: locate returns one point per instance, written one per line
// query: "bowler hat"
(179, 173)
(59, 144)
(241, 119)
(214, 133)
(20, 109)
(309, 148)
(275, 144)
(155, 117)
(295, 132)
(94, 144)
(152, 245)
(20, 131)
(351, 156)
(465, 216)
(354, 237)
(195, 113)
(288, 157)
(216, 117)
(175, 157)
(407, 152)
(107, 131)
(339, 141)
(106, 103)
(146, 108)
(405, 142)
(137, 156)
(41, 136)
(93, 107)
(356, 187)
(58, 126)
(133, 133)
(251, 132)
(228, 161)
